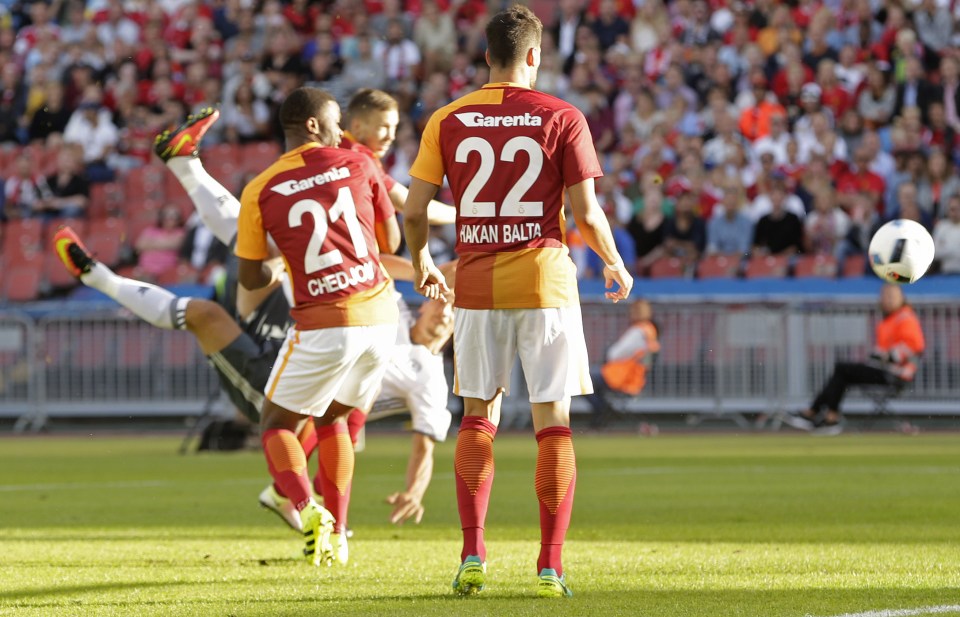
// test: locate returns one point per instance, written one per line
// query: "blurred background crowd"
(756, 138)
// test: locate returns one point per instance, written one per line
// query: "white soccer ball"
(901, 251)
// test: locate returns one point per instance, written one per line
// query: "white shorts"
(550, 343)
(416, 376)
(315, 367)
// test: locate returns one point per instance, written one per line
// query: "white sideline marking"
(906, 612)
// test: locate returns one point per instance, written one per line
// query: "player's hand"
(623, 280)
(405, 507)
(429, 282)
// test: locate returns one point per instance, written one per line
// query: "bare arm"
(407, 504)
(593, 226)
(428, 280)
(438, 213)
(254, 273)
(388, 235)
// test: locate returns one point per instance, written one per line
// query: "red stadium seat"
(22, 280)
(106, 199)
(144, 183)
(56, 274)
(855, 265)
(718, 267)
(226, 173)
(221, 153)
(257, 157)
(22, 237)
(666, 267)
(105, 245)
(137, 222)
(816, 266)
(768, 266)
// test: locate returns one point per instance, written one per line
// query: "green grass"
(713, 526)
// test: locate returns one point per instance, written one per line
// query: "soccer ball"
(901, 251)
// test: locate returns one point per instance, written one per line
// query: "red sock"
(335, 475)
(308, 438)
(555, 481)
(355, 421)
(473, 464)
(287, 465)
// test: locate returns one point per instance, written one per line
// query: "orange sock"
(335, 476)
(473, 464)
(555, 481)
(287, 465)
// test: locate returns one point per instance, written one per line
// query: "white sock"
(150, 303)
(218, 209)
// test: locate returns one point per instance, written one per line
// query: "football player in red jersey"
(509, 152)
(372, 117)
(333, 359)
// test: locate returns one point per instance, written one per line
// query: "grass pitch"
(712, 526)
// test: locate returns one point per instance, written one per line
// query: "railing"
(717, 360)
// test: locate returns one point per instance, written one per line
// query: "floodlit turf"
(758, 526)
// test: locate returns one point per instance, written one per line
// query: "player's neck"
(509, 75)
(296, 141)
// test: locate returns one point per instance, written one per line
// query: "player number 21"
(512, 204)
(343, 208)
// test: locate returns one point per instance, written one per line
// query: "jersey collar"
(505, 84)
(303, 148)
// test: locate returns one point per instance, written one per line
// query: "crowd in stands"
(728, 128)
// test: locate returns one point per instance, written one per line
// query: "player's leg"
(484, 347)
(334, 477)
(554, 357)
(179, 149)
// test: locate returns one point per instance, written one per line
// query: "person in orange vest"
(755, 120)
(893, 361)
(627, 361)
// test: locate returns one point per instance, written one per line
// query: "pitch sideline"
(906, 612)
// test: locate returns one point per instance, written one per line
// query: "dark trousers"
(599, 406)
(847, 374)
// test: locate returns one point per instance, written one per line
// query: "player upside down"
(244, 357)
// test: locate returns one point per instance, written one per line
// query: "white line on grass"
(906, 612)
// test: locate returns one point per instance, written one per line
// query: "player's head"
(310, 115)
(513, 41)
(372, 118)
(891, 298)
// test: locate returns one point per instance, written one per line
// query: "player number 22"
(343, 208)
(512, 204)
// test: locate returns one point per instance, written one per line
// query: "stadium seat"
(22, 237)
(105, 243)
(226, 173)
(718, 267)
(855, 265)
(137, 221)
(106, 199)
(78, 225)
(257, 157)
(767, 266)
(22, 281)
(55, 274)
(144, 183)
(816, 266)
(666, 267)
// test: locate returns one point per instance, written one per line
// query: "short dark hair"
(510, 33)
(301, 105)
(367, 100)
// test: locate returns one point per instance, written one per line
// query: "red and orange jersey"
(347, 142)
(320, 205)
(508, 153)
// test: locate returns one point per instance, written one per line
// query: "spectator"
(364, 70)
(609, 26)
(68, 186)
(773, 195)
(780, 232)
(621, 237)
(685, 234)
(776, 141)
(24, 190)
(729, 231)
(826, 227)
(908, 208)
(436, 37)
(201, 249)
(899, 342)
(878, 100)
(916, 90)
(400, 57)
(938, 185)
(52, 117)
(626, 363)
(950, 83)
(647, 117)
(247, 119)
(647, 226)
(859, 179)
(755, 118)
(722, 147)
(91, 127)
(946, 238)
(158, 245)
